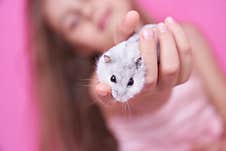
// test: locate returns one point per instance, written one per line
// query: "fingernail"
(147, 34)
(128, 15)
(169, 20)
(162, 27)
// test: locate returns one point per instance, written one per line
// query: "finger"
(169, 59)
(184, 49)
(127, 27)
(103, 93)
(149, 55)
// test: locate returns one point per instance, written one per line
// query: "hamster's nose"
(119, 94)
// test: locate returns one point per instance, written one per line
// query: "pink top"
(185, 120)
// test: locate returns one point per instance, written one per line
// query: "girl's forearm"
(213, 78)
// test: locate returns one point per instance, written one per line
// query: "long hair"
(69, 119)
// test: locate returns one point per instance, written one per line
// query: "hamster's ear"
(138, 62)
(107, 59)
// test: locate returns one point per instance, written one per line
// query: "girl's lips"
(104, 19)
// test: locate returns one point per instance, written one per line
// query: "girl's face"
(86, 24)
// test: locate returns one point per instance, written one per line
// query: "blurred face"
(86, 24)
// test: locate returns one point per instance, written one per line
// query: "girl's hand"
(175, 56)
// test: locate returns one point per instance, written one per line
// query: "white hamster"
(122, 68)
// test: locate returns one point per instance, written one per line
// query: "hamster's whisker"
(85, 80)
(91, 104)
(128, 109)
(123, 108)
(87, 85)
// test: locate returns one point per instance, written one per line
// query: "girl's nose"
(88, 11)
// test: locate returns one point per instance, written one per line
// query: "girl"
(68, 34)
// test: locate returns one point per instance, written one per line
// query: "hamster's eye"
(113, 78)
(131, 82)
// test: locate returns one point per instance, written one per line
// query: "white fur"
(123, 67)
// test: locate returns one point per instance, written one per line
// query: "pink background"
(207, 15)
(18, 117)
(18, 130)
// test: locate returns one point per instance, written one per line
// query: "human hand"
(175, 56)
(102, 91)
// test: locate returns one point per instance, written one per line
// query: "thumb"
(127, 26)
(103, 93)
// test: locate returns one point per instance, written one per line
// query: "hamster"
(123, 69)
